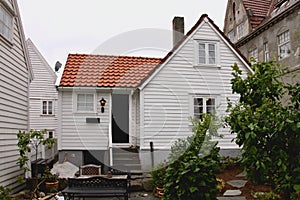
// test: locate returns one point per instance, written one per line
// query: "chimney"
(178, 29)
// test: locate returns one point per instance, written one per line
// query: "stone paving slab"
(242, 175)
(231, 198)
(232, 193)
(237, 183)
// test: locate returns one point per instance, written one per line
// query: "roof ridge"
(114, 56)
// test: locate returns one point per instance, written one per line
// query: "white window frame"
(240, 31)
(47, 107)
(6, 22)
(92, 110)
(266, 51)
(283, 40)
(206, 44)
(204, 106)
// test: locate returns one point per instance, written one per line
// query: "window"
(6, 22)
(231, 36)
(253, 55)
(207, 53)
(266, 52)
(203, 105)
(47, 107)
(284, 44)
(240, 31)
(51, 134)
(85, 102)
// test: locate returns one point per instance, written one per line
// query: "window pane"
(202, 53)
(212, 53)
(210, 105)
(44, 108)
(85, 102)
(5, 23)
(50, 133)
(50, 107)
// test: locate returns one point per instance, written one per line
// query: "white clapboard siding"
(75, 132)
(42, 87)
(14, 81)
(167, 97)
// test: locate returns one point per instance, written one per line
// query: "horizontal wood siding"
(42, 87)
(13, 102)
(76, 134)
(167, 97)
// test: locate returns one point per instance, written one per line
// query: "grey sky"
(60, 27)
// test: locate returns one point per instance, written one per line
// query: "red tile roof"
(260, 10)
(106, 71)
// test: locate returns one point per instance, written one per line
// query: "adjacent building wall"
(14, 102)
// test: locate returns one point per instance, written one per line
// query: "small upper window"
(6, 23)
(203, 105)
(284, 47)
(85, 102)
(231, 36)
(240, 31)
(47, 107)
(253, 55)
(207, 53)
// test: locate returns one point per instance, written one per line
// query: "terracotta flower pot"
(52, 185)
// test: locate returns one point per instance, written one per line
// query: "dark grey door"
(120, 118)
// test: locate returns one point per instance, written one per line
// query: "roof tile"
(107, 71)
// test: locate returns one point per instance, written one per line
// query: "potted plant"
(31, 141)
(51, 180)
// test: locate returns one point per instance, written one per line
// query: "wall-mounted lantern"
(102, 103)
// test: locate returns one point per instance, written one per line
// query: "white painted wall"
(167, 97)
(75, 133)
(14, 83)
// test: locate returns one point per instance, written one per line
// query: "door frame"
(129, 93)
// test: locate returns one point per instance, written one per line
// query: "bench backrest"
(96, 182)
(90, 169)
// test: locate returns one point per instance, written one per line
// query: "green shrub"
(193, 163)
(267, 126)
(157, 175)
(5, 193)
(266, 196)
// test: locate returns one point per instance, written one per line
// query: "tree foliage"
(268, 128)
(192, 165)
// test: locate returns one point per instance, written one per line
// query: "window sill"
(207, 66)
(45, 115)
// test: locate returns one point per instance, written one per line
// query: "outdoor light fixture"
(102, 103)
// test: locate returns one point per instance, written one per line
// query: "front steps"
(127, 160)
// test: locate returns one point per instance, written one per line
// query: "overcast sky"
(119, 27)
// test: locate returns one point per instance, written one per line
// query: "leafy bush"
(157, 175)
(4, 193)
(193, 163)
(267, 126)
(266, 196)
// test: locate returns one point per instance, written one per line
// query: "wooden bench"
(97, 186)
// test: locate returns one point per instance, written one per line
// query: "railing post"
(152, 154)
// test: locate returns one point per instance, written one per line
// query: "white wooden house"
(43, 98)
(15, 75)
(155, 107)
